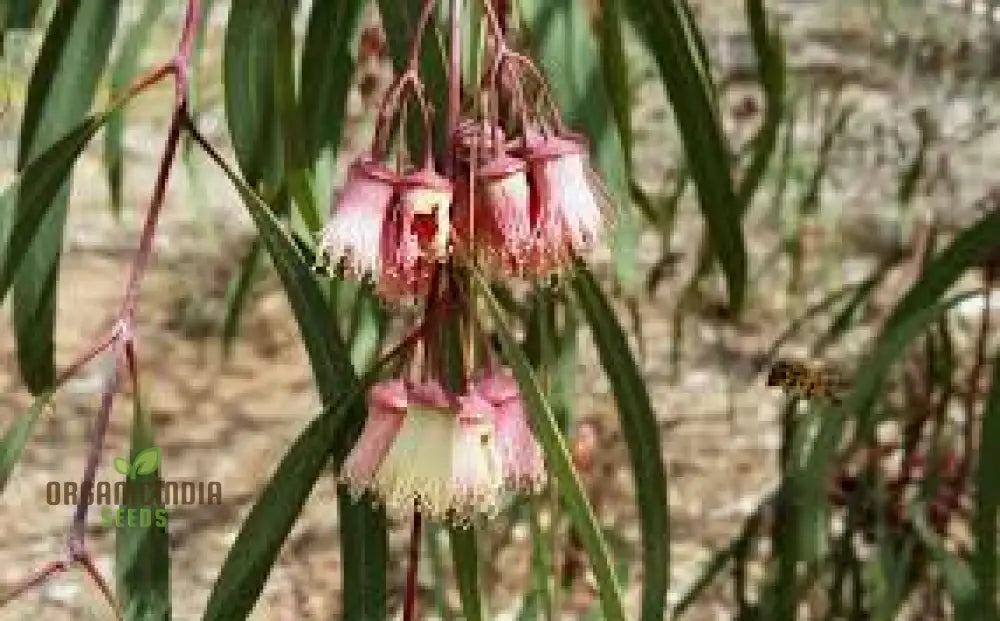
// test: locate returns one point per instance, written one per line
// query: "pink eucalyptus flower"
(416, 235)
(352, 237)
(500, 220)
(443, 461)
(520, 454)
(566, 214)
(386, 408)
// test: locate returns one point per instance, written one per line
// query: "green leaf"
(122, 466)
(365, 548)
(771, 67)
(326, 69)
(958, 578)
(238, 294)
(249, 561)
(564, 44)
(123, 71)
(558, 461)
(919, 307)
(62, 86)
(328, 354)
(142, 552)
(16, 437)
(642, 437)
(248, 64)
(466, 559)
(987, 501)
(671, 36)
(246, 569)
(146, 462)
(297, 178)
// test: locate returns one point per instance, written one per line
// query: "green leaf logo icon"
(122, 466)
(145, 462)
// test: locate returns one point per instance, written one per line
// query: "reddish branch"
(120, 339)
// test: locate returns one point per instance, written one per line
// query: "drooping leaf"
(364, 541)
(987, 501)
(328, 354)
(559, 464)
(142, 550)
(245, 570)
(251, 557)
(297, 179)
(60, 92)
(564, 43)
(466, 559)
(16, 437)
(769, 49)
(248, 75)
(327, 68)
(642, 437)
(667, 31)
(238, 293)
(955, 571)
(124, 69)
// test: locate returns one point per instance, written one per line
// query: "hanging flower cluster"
(512, 195)
(449, 456)
(518, 206)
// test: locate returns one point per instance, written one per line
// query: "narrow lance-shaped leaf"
(563, 41)
(123, 71)
(249, 50)
(987, 495)
(558, 461)
(327, 68)
(638, 423)
(251, 557)
(16, 437)
(142, 552)
(671, 37)
(466, 559)
(332, 433)
(364, 540)
(60, 92)
(296, 179)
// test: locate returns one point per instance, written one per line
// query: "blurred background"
(889, 130)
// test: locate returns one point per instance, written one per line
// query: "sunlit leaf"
(326, 68)
(559, 464)
(669, 34)
(60, 92)
(142, 550)
(642, 437)
(123, 70)
(16, 437)
(248, 75)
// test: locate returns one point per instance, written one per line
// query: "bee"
(806, 381)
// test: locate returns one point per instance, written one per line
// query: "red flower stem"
(410, 78)
(410, 597)
(77, 532)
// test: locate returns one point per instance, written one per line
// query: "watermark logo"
(141, 500)
(145, 462)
